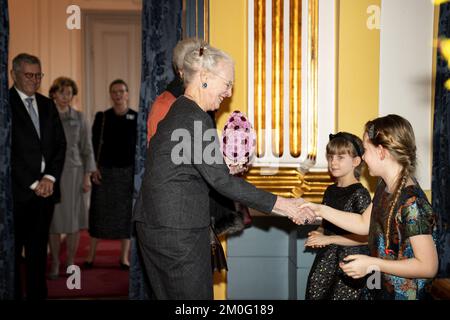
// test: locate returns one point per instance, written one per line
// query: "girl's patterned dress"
(413, 216)
(326, 279)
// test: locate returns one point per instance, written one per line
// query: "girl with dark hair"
(326, 281)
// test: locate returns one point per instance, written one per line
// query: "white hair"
(205, 58)
(182, 48)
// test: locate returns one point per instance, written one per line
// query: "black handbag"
(218, 260)
(227, 217)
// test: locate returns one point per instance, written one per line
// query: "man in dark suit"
(37, 157)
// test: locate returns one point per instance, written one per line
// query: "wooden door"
(112, 51)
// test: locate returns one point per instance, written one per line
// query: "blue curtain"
(441, 149)
(6, 218)
(161, 30)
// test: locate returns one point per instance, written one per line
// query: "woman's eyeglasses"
(228, 83)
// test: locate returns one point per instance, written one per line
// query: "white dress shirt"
(23, 96)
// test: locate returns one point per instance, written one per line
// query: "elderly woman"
(224, 216)
(172, 211)
(175, 88)
(70, 214)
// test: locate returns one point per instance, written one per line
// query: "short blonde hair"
(205, 58)
(182, 48)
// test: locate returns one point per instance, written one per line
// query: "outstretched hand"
(314, 207)
(292, 209)
(302, 216)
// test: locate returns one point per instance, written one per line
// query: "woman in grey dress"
(70, 214)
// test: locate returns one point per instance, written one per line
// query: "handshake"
(296, 209)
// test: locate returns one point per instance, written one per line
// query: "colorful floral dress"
(413, 216)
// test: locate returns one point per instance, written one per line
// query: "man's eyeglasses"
(228, 83)
(30, 75)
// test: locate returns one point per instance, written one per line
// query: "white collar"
(23, 96)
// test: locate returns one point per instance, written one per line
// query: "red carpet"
(105, 280)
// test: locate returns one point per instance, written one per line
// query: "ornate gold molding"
(291, 178)
(295, 78)
(260, 75)
(277, 77)
(290, 183)
(313, 40)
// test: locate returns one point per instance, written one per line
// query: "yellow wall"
(228, 31)
(358, 57)
(358, 66)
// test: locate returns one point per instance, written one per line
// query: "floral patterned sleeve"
(417, 217)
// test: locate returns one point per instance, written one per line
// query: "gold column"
(287, 181)
(260, 75)
(295, 77)
(313, 31)
(277, 77)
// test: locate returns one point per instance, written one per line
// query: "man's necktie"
(33, 115)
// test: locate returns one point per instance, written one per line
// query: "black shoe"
(88, 265)
(124, 266)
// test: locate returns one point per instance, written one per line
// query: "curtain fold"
(441, 149)
(161, 30)
(6, 216)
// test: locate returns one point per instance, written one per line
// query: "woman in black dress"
(114, 141)
(326, 280)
